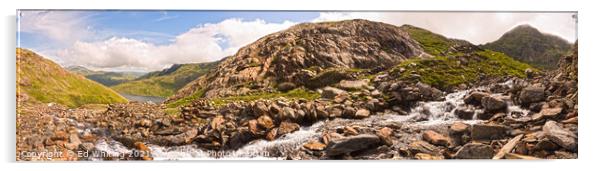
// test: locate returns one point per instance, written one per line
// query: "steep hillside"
(302, 52)
(166, 82)
(315, 55)
(42, 80)
(105, 78)
(527, 44)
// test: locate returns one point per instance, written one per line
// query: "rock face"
(351, 144)
(560, 136)
(282, 56)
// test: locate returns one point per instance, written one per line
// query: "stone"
(492, 104)
(87, 147)
(551, 112)
(531, 95)
(362, 113)
(475, 151)
(217, 122)
(436, 138)
(331, 92)
(488, 131)
(352, 84)
(385, 135)
(474, 98)
(265, 121)
(458, 128)
(260, 108)
(347, 130)
(272, 134)
(144, 123)
(560, 136)
(314, 145)
(350, 144)
(423, 147)
(424, 156)
(252, 127)
(287, 127)
(464, 113)
(286, 86)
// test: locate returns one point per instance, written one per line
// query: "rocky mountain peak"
(305, 50)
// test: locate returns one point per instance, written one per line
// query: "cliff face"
(303, 51)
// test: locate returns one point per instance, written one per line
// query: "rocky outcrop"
(282, 56)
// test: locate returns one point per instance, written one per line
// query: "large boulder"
(353, 84)
(436, 138)
(351, 144)
(465, 113)
(492, 104)
(475, 151)
(488, 131)
(331, 92)
(531, 95)
(560, 136)
(474, 98)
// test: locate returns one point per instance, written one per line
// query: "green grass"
(432, 43)
(298, 93)
(445, 72)
(164, 83)
(47, 82)
(187, 100)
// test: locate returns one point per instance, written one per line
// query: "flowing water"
(436, 113)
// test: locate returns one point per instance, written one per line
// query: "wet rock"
(560, 136)
(87, 147)
(458, 128)
(436, 138)
(464, 113)
(424, 156)
(492, 104)
(531, 95)
(314, 145)
(287, 127)
(331, 92)
(347, 130)
(272, 134)
(488, 131)
(475, 151)
(240, 138)
(351, 144)
(474, 98)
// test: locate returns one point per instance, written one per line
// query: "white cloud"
(475, 27)
(207, 42)
(65, 27)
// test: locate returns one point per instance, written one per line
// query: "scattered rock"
(531, 95)
(436, 138)
(362, 113)
(475, 151)
(464, 113)
(286, 86)
(352, 84)
(560, 136)
(488, 131)
(314, 145)
(287, 127)
(331, 92)
(458, 128)
(492, 104)
(351, 144)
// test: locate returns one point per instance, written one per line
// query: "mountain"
(105, 78)
(308, 56)
(42, 80)
(166, 82)
(527, 44)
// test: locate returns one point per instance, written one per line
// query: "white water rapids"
(438, 112)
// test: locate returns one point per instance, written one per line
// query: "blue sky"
(150, 40)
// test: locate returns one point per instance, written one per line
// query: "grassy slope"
(164, 84)
(45, 81)
(105, 78)
(450, 69)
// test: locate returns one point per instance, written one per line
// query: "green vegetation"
(298, 93)
(528, 45)
(444, 72)
(45, 81)
(432, 43)
(187, 100)
(105, 78)
(164, 83)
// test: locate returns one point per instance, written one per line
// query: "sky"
(118, 40)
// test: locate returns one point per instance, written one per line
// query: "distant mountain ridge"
(41, 80)
(166, 82)
(527, 44)
(106, 78)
